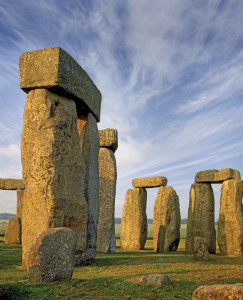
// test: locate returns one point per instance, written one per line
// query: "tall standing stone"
(13, 231)
(230, 234)
(106, 242)
(167, 214)
(134, 220)
(53, 167)
(89, 143)
(201, 216)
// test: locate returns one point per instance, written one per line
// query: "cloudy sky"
(170, 74)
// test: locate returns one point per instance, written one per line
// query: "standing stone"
(51, 256)
(230, 219)
(167, 213)
(134, 220)
(106, 225)
(201, 216)
(89, 143)
(20, 201)
(53, 170)
(201, 249)
(13, 231)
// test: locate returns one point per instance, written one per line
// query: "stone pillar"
(201, 216)
(106, 241)
(89, 143)
(230, 219)
(13, 231)
(20, 201)
(167, 214)
(134, 225)
(53, 167)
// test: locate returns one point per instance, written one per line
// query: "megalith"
(13, 231)
(51, 256)
(149, 182)
(201, 216)
(106, 242)
(166, 214)
(134, 220)
(58, 91)
(230, 234)
(89, 143)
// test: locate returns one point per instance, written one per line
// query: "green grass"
(115, 276)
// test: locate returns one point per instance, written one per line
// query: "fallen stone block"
(11, 184)
(109, 138)
(219, 292)
(51, 257)
(149, 182)
(155, 279)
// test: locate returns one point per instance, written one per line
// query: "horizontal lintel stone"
(108, 138)
(54, 69)
(215, 176)
(149, 182)
(11, 184)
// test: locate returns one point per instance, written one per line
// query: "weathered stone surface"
(219, 292)
(20, 203)
(51, 257)
(109, 138)
(230, 219)
(106, 225)
(201, 249)
(134, 225)
(55, 69)
(149, 182)
(89, 143)
(13, 231)
(167, 213)
(215, 176)
(155, 279)
(161, 239)
(53, 170)
(11, 184)
(201, 216)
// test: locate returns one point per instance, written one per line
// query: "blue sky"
(170, 74)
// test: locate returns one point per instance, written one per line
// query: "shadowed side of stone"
(134, 220)
(51, 257)
(107, 192)
(149, 182)
(166, 213)
(13, 231)
(109, 138)
(219, 292)
(11, 184)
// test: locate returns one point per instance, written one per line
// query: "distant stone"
(109, 138)
(11, 184)
(149, 182)
(155, 279)
(13, 231)
(54, 69)
(215, 176)
(51, 257)
(134, 220)
(166, 213)
(201, 216)
(219, 292)
(230, 227)
(201, 249)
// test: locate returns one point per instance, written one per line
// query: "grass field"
(115, 276)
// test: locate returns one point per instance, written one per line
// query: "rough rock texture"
(20, 203)
(155, 279)
(215, 176)
(161, 239)
(219, 292)
(89, 143)
(109, 138)
(106, 225)
(201, 216)
(53, 170)
(134, 225)
(13, 231)
(55, 69)
(149, 182)
(51, 257)
(230, 235)
(201, 249)
(11, 184)
(167, 213)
